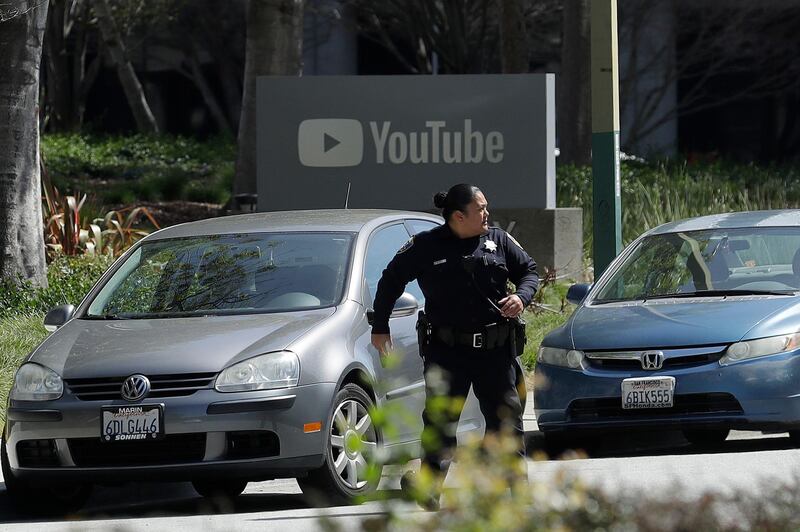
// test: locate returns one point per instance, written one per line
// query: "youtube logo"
(330, 142)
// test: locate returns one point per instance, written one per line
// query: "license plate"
(648, 392)
(127, 423)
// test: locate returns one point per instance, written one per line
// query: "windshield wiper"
(104, 317)
(699, 293)
(615, 300)
(719, 293)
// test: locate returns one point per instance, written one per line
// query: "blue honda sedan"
(695, 326)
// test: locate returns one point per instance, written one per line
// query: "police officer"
(462, 267)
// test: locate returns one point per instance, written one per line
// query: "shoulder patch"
(514, 240)
(406, 246)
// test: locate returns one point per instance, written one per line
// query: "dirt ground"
(168, 213)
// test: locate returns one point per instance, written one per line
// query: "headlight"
(760, 348)
(568, 358)
(36, 383)
(265, 372)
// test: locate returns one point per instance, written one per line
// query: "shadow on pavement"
(654, 443)
(138, 500)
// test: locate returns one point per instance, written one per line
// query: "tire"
(351, 447)
(794, 437)
(46, 499)
(706, 438)
(212, 489)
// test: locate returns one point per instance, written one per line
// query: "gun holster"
(518, 337)
(424, 333)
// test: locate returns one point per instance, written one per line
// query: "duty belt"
(489, 337)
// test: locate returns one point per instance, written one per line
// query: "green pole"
(606, 203)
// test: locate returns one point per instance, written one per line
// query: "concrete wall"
(553, 237)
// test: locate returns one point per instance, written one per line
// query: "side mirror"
(406, 305)
(577, 293)
(58, 317)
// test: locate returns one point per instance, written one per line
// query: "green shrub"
(69, 279)
(660, 192)
(129, 169)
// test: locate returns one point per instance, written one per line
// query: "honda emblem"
(652, 360)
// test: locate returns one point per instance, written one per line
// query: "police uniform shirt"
(436, 259)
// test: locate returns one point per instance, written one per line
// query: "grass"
(129, 169)
(664, 191)
(22, 310)
(550, 311)
(18, 336)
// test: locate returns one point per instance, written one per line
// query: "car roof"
(339, 220)
(731, 220)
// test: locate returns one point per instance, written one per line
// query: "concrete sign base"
(553, 237)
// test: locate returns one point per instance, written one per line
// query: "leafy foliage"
(69, 279)
(656, 193)
(489, 489)
(127, 169)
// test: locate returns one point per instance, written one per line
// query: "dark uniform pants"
(498, 383)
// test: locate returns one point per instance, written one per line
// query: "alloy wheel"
(353, 441)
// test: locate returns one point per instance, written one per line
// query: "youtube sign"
(392, 141)
(330, 142)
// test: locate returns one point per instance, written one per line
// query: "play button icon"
(330, 142)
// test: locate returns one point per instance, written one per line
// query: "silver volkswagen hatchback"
(220, 352)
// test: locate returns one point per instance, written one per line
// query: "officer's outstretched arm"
(400, 271)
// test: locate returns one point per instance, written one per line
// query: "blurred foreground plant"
(489, 489)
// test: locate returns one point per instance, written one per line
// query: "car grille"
(108, 388)
(37, 453)
(609, 408)
(674, 358)
(171, 449)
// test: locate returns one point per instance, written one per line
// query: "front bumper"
(249, 435)
(759, 394)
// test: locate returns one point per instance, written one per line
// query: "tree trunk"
(574, 91)
(56, 59)
(513, 37)
(274, 47)
(21, 229)
(199, 78)
(231, 82)
(145, 121)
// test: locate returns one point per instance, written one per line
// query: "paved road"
(654, 462)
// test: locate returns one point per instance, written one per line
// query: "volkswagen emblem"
(135, 388)
(652, 360)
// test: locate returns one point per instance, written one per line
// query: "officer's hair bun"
(440, 199)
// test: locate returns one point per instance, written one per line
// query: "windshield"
(227, 274)
(708, 262)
